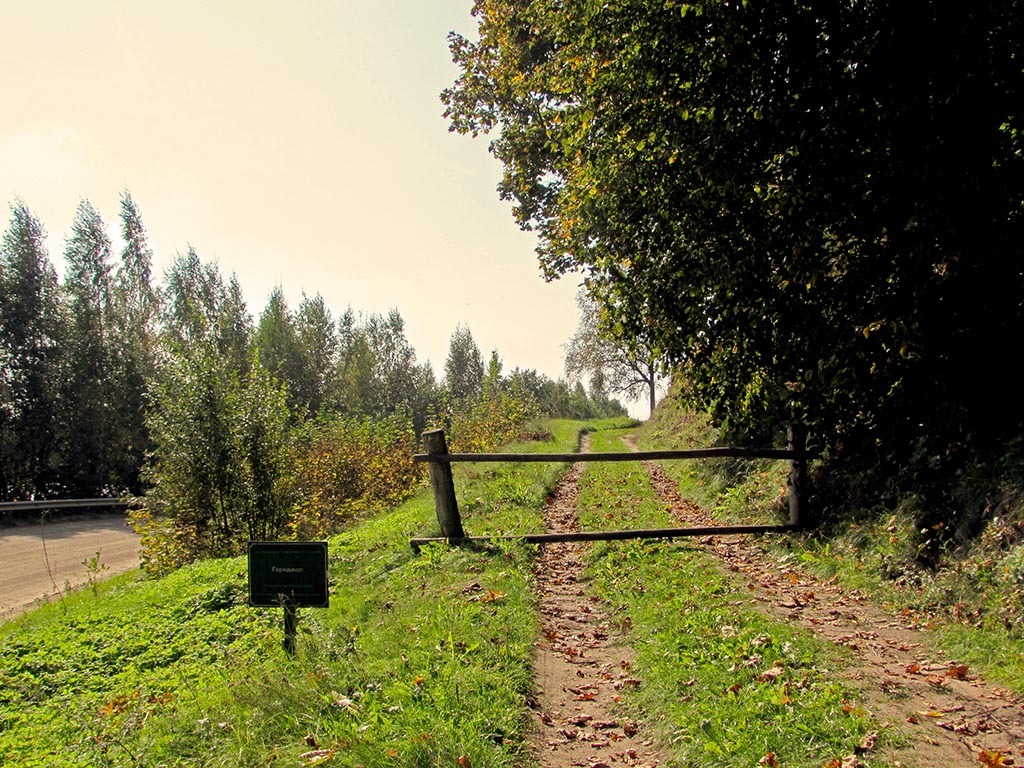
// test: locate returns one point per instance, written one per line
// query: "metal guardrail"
(18, 506)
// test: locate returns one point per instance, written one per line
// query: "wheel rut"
(581, 663)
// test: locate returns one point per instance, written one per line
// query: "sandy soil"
(39, 561)
(946, 713)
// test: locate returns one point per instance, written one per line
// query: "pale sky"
(295, 143)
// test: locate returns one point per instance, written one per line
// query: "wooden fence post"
(444, 487)
(797, 485)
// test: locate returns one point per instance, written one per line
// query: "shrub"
(348, 467)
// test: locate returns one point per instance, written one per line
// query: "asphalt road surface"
(38, 561)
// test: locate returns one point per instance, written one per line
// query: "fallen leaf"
(958, 672)
(769, 675)
(992, 759)
(316, 756)
(463, 762)
(868, 742)
(492, 596)
(769, 761)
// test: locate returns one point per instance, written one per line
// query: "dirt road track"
(37, 561)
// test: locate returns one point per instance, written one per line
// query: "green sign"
(288, 573)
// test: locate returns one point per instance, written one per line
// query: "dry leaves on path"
(579, 668)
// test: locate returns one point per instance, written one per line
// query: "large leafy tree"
(192, 297)
(31, 329)
(318, 342)
(279, 348)
(220, 468)
(812, 210)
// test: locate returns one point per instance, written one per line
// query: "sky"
(296, 143)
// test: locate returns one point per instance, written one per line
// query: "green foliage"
(347, 469)
(420, 660)
(278, 345)
(812, 211)
(220, 472)
(91, 425)
(31, 331)
(464, 367)
(483, 424)
(556, 399)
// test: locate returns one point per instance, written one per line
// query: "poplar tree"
(318, 342)
(90, 402)
(31, 329)
(136, 309)
(464, 367)
(278, 347)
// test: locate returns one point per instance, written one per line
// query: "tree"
(91, 391)
(278, 346)
(220, 470)
(193, 294)
(136, 308)
(234, 328)
(610, 363)
(464, 366)
(353, 389)
(318, 342)
(376, 373)
(394, 364)
(812, 211)
(31, 330)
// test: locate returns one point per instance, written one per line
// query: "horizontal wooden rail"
(450, 521)
(16, 506)
(698, 453)
(649, 533)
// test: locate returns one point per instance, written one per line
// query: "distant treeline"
(105, 376)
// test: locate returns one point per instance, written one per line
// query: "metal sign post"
(290, 574)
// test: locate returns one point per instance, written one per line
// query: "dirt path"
(580, 668)
(948, 715)
(39, 561)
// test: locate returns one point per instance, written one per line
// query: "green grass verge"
(420, 660)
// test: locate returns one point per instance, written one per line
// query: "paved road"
(37, 561)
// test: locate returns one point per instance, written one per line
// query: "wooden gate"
(447, 506)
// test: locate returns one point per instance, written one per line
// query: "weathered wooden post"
(797, 484)
(291, 622)
(444, 486)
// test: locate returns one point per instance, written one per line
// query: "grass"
(421, 660)
(972, 606)
(725, 685)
